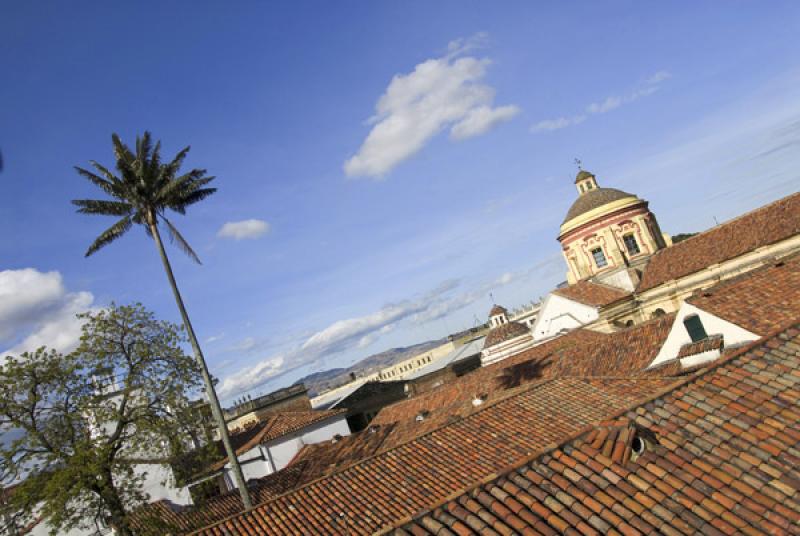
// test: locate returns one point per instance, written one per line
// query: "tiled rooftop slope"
(396, 483)
(590, 293)
(722, 456)
(766, 225)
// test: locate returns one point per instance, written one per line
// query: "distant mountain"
(318, 382)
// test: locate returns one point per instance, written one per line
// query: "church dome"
(595, 199)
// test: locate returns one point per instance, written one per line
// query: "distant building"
(292, 398)
(266, 446)
(505, 338)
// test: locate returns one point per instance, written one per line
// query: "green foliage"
(84, 435)
(681, 237)
(143, 190)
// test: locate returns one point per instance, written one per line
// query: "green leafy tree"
(94, 421)
(142, 193)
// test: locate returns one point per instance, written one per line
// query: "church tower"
(608, 235)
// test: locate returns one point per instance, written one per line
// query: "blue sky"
(381, 167)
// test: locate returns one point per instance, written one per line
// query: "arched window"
(694, 326)
(659, 313)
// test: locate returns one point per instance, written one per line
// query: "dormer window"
(695, 329)
(599, 257)
(631, 244)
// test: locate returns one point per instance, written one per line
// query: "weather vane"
(578, 163)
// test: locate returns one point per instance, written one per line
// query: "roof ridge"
(573, 437)
(728, 222)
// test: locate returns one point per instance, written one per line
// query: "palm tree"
(142, 192)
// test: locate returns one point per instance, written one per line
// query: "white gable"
(561, 314)
(714, 325)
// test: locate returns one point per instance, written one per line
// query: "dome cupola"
(606, 229)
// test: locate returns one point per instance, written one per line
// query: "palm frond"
(104, 184)
(172, 168)
(155, 160)
(125, 160)
(183, 185)
(180, 205)
(110, 234)
(121, 151)
(181, 242)
(143, 185)
(103, 207)
(143, 146)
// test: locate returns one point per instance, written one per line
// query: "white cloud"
(248, 344)
(439, 93)
(657, 78)
(649, 86)
(245, 229)
(482, 119)
(214, 338)
(251, 377)
(360, 332)
(558, 123)
(366, 340)
(606, 106)
(36, 310)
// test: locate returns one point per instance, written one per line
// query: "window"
(694, 326)
(631, 245)
(599, 257)
(588, 186)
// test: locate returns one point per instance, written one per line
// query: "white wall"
(678, 336)
(560, 313)
(160, 484)
(263, 460)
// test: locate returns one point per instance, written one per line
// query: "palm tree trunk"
(216, 410)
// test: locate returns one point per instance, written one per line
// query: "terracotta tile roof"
(324, 458)
(578, 353)
(272, 427)
(504, 333)
(396, 483)
(625, 353)
(460, 391)
(720, 457)
(766, 225)
(594, 294)
(312, 462)
(162, 516)
(759, 301)
(714, 342)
